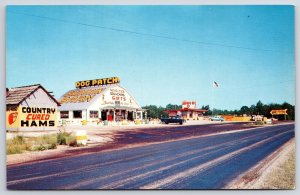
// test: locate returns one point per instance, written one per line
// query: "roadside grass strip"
(282, 176)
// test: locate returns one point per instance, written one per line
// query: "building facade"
(30, 108)
(96, 101)
(188, 111)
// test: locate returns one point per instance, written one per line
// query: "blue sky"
(171, 54)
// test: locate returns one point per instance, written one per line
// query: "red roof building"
(188, 111)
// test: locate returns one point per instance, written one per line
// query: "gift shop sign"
(117, 97)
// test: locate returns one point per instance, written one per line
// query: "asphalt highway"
(200, 162)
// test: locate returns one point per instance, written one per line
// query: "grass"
(45, 142)
(17, 145)
(20, 144)
(283, 176)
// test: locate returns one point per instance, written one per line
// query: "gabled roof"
(76, 104)
(18, 94)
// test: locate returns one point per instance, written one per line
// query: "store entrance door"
(103, 115)
(130, 116)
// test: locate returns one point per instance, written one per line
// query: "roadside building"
(188, 111)
(30, 108)
(98, 100)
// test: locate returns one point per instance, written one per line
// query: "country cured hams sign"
(31, 117)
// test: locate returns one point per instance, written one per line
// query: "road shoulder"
(260, 175)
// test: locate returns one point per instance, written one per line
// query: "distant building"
(188, 111)
(30, 108)
(98, 100)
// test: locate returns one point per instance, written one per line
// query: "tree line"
(259, 109)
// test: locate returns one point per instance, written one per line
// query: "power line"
(148, 34)
(257, 86)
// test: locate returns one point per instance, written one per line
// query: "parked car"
(217, 118)
(172, 119)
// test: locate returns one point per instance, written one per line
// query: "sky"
(162, 54)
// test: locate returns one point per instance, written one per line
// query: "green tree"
(173, 106)
(290, 110)
(208, 110)
(259, 108)
(155, 112)
(245, 110)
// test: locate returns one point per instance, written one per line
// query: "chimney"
(7, 92)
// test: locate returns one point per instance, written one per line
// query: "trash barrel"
(138, 121)
(84, 122)
(81, 137)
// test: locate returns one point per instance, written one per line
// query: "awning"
(119, 108)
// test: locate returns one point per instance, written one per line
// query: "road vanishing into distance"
(198, 162)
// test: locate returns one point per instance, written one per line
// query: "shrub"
(13, 149)
(17, 145)
(64, 138)
(18, 140)
(52, 146)
(73, 143)
(71, 140)
(61, 138)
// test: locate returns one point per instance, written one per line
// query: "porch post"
(114, 115)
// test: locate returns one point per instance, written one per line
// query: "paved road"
(197, 163)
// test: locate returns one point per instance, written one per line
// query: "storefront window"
(94, 114)
(77, 114)
(64, 114)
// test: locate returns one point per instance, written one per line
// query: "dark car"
(172, 119)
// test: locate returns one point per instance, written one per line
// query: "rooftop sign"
(188, 104)
(97, 82)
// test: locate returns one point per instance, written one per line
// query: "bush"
(71, 140)
(53, 146)
(61, 139)
(18, 140)
(13, 149)
(73, 143)
(64, 138)
(17, 145)
(260, 122)
(39, 148)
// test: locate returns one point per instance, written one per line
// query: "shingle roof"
(75, 104)
(18, 94)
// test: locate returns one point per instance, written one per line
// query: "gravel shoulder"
(271, 173)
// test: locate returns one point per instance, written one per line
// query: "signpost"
(279, 112)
